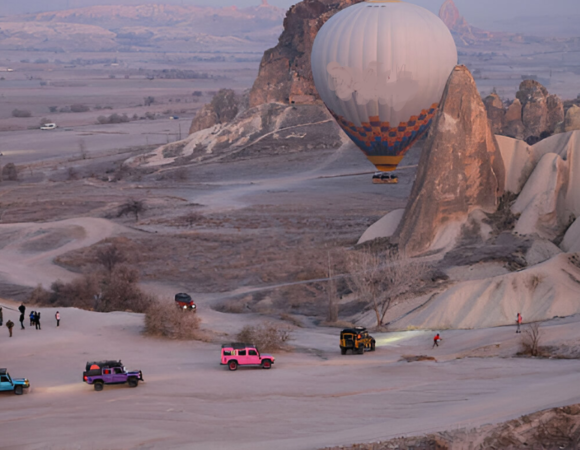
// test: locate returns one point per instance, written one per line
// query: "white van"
(48, 126)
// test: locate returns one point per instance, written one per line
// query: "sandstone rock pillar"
(460, 170)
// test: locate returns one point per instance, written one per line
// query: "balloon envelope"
(380, 67)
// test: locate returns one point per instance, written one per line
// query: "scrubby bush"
(98, 291)
(164, 319)
(78, 108)
(530, 343)
(10, 172)
(21, 113)
(267, 337)
(132, 207)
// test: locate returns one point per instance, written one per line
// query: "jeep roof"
(103, 364)
(238, 346)
(3, 371)
(354, 330)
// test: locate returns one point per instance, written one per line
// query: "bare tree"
(132, 206)
(380, 278)
(531, 339)
(110, 256)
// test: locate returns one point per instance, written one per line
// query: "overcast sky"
(478, 12)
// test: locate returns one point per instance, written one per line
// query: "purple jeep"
(234, 355)
(99, 373)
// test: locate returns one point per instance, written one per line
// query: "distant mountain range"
(156, 26)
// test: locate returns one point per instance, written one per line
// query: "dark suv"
(99, 373)
(356, 339)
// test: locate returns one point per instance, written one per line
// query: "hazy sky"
(478, 12)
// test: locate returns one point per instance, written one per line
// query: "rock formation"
(534, 114)
(265, 130)
(461, 170)
(285, 75)
(223, 108)
(495, 113)
(571, 121)
(462, 31)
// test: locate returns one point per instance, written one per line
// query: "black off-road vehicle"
(356, 339)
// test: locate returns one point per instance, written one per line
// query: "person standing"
(22, 310)
(37, 320)
(10, 325)
(518, 323)
(57, 317)
(436, 340)
(1, 317)
(32, 313)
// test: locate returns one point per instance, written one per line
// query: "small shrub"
(78, 108)
(21, 113)
(53, 109)
(164, 319)
(267, 337)
(110, 257)
(530, 343)
(9, 172)
(131, 206)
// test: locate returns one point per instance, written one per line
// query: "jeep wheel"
(266, 364)
(98, 386)
(18, 389)
(233, 365)
(133, 382)
(361, 350)
(342, 351)
(372, 346)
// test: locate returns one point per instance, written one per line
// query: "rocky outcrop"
(460, 171)
(495, 113)
(223, 108)
(533, 115)
(264, 131)
(285, 75)
(571, 121)
(462, 31)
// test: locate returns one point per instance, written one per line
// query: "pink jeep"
(234, 355)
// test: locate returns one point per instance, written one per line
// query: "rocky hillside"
(159, 27)
(462, 31)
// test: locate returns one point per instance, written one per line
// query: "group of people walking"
(34, 317)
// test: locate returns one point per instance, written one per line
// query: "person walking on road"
(37, 320)
(518, 323)
(57, 317)
(1, 317)
(436, 340)
(10, 325)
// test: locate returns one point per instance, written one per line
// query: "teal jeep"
(7, 383)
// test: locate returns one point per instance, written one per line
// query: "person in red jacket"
(436, 340)
(518, 323)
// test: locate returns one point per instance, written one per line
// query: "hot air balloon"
(380, 67)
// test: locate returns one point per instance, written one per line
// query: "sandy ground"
(311, 398)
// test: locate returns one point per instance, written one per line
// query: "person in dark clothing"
(22, 308)
(37, 320)
(32, 313)
(21, 321)
(10, 325)
(1, 317)
(436, 340)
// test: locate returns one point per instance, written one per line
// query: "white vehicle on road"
(48, 126)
